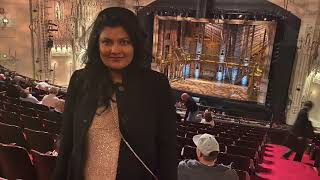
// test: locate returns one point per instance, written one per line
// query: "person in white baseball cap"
(205, 168)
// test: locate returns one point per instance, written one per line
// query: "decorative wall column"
(307, 49)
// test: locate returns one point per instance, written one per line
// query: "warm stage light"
(5, 20)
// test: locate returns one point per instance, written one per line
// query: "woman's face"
(115, 47)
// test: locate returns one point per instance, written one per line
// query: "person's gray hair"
(53, 90)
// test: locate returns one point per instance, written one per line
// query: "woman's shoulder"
(153, 75)
(78, 75)
(79, 72)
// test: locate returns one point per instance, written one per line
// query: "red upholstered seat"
(10, 134)
(39, 140)
(15, 163)
(44, 165)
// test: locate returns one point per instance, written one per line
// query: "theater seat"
(10, 134)
(226, 141)
(189, 152)
(243, 151)
(243, 175)
(15, 163)
(10, 118)
(39, 140)
(51, 127)
(32, 123)
(44, 165)
(249, 144)
(238, 162)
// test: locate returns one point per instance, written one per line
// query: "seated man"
(51, 99)
(206, 168)
(26, 96)
(207, 118)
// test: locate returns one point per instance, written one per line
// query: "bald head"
(185, 97)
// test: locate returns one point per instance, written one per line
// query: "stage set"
(235, 56)
(221, 57)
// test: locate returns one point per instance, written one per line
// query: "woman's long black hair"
(98, 80)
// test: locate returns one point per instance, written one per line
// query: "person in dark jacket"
(300, 132)
(111, 128)
(192, 107)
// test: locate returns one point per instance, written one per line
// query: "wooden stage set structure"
(228, 58)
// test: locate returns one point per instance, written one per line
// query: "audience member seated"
(207, 118)
(56, 113)
(51, 99)
(206, 168)
(43, 86)
(25, 95)
(2, 81)
(2, 77)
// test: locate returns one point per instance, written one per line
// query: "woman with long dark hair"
(119, 118)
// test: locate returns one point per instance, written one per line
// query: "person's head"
(2, 77)
(116, 41)
(24, 93)
(207, 115)
(59, 106)
(308, 105)
(53, 90)
(207, 147)
(184, 97)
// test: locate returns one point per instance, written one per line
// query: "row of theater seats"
(239, 144)
(26, 135)
(17, 163)
(27, 115)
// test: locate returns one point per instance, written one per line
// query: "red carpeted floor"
(274, 167)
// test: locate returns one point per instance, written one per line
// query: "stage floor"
(209, 88)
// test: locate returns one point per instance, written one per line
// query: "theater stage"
(210, 88)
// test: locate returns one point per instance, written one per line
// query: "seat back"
(11, 118)
(40, 107)
(226, 141)
(243, 151)
(51, 127)
(39, 140)
(238, 162)
(44, 165)
(15, 163)
(12, 134)
(32, 123)
(189, 152)
(249, 144)
(181, 141)
(243, 175)
(190, 134)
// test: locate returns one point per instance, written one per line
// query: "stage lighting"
(5, 21)
(240, 16)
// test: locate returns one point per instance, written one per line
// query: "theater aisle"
(274, 167)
